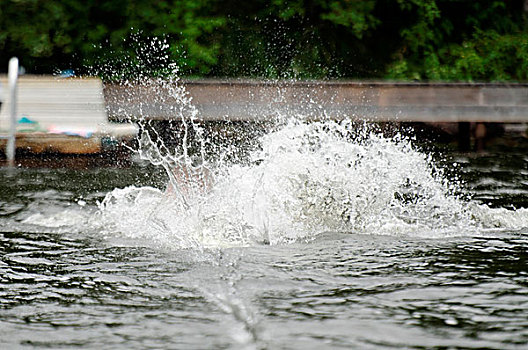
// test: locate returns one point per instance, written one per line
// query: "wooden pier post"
(464, 136)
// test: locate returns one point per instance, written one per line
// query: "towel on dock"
(25, 124)
(71, 131)
(28, 126)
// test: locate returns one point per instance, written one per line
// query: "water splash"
(302, 179)
(307, 178)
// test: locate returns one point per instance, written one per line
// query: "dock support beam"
(464, 136)
(12, 78)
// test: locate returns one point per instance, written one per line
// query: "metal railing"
(12, 87)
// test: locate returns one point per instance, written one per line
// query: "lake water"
(336, 247)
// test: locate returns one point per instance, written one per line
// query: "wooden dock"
(78, 115)
(62, 115)
(371, 101)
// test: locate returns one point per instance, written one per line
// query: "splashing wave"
(306, 179)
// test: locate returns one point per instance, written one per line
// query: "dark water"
(66, 286)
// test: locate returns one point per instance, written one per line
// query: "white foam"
(307, 178)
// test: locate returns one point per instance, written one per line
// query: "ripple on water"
(340, 290)
(67, 281)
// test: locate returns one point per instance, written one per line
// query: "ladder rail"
(11, 135)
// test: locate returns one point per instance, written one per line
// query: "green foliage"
(397, 39)
(488, 43)
(47, 34)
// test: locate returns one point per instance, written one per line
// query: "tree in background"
(55, 34)
(300, 39)
(398, 39)
(463, 40)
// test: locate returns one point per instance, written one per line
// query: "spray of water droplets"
(300, 180)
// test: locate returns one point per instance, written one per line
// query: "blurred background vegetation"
(454, 40)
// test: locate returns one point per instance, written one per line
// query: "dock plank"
(374, 101)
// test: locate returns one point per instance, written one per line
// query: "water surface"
(67, 281)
